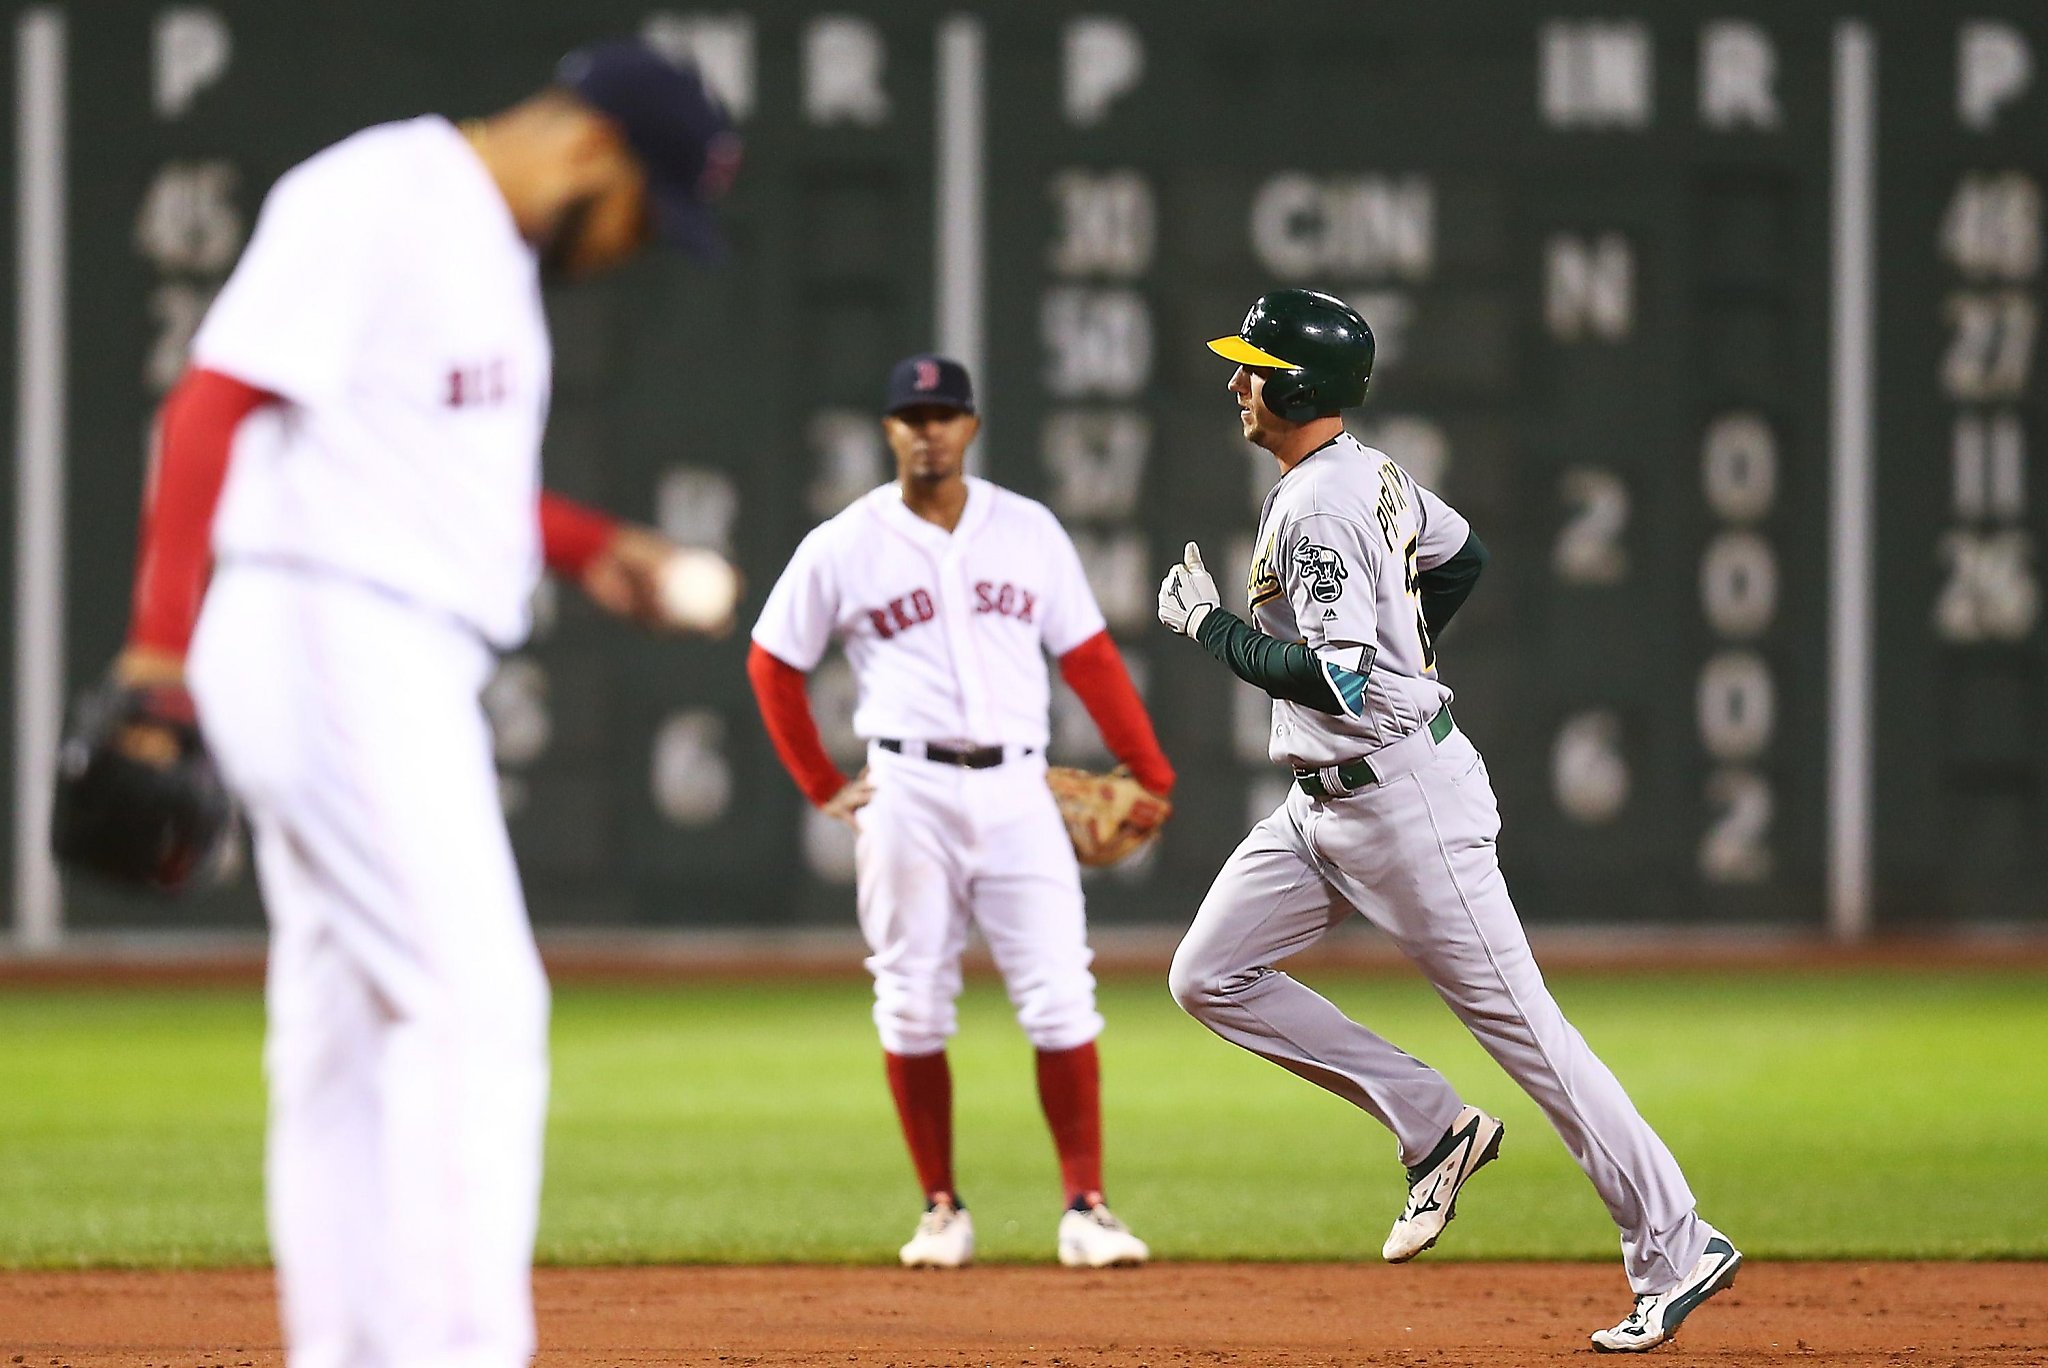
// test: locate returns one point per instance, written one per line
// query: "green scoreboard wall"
(1718, 320)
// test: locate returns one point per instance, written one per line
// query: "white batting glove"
(1187, 593)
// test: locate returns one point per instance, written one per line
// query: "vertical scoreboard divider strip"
(961, 151)
(39, 38)
(1851, 648)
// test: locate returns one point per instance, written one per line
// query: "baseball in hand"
(699, 589)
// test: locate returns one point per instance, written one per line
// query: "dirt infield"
(1441, 1316)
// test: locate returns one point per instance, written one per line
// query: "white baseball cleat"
(1469, 1145)
(1092, 1237)
(944, 1238)
(1657, 1318)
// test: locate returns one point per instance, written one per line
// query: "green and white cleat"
(1472, 1142)
(1656, 1318)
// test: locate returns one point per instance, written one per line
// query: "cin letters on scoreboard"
(1008, 600)
(903, 613)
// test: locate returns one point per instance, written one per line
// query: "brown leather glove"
(1107, 815)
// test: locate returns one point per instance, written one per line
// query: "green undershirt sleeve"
(1444, 588)
(1285, 669)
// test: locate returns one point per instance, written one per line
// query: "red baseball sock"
(923, 1088)
(1070, 1090)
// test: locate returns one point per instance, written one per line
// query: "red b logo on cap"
(927, 375)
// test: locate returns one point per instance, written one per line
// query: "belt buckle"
(1324, 781)
(1335, 785)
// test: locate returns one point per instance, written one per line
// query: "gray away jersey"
(1341, 539)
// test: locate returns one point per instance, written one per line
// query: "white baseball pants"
(1416, 855)
(939, 846)
(407, 1047)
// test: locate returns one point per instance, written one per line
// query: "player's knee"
(528, 1006)
(914, 1022)
(1063, 1021)
(912, 1038)
(1203, 980)
(1194, 986)
(501, 1000)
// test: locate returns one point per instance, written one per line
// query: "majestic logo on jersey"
(901, 614)
(1263, 583)
(1322, 569)
(486, 382)
(1009, 600)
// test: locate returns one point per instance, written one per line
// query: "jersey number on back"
(1413, 584)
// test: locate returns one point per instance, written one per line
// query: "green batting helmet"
(1315, 346)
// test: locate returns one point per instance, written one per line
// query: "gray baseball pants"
(1416, 855)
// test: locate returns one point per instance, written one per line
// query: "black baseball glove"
(139, 800)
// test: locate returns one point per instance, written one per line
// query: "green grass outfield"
(1873, 1114)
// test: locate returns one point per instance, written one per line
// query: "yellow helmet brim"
(1235, 348)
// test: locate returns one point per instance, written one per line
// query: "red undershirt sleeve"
(1095, 671)
(195, 436)
(572, 535)
(786, 713)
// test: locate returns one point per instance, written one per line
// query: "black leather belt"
(981, 757)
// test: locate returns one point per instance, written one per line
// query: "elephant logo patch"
(1322, 569)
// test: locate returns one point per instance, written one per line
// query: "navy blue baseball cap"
(929, 379)
(676, 127)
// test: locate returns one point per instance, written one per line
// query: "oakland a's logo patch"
(1322, 570)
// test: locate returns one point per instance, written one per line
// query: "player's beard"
(933, 471)
(561, 248)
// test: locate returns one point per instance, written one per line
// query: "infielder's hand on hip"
(850, 800)
(1187, 593)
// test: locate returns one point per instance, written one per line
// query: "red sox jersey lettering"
(486, 382)
(992, 597)
(1009, 600)
(902, 614)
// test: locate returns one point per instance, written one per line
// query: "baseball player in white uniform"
(370, 389)
(946, 591)
(1392, 814)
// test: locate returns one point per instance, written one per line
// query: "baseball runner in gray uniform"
(1356, 569)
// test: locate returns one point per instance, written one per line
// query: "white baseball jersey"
(1341, 539)
(388, 297)
(946, 632)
